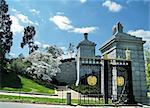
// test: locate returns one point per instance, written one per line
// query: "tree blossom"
(44, 65)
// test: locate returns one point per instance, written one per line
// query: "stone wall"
(68, 71)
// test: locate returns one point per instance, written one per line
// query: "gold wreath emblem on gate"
(92, 80)
(120, 81)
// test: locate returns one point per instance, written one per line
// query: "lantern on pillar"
(128, 54)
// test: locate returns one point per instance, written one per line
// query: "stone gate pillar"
(116, 47)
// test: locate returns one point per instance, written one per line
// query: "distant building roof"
(67, 60)
(86, 41)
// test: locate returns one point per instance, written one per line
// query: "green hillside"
(28, 85)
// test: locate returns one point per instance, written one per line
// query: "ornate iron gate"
(116, 84)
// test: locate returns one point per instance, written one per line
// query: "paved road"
(25, 105)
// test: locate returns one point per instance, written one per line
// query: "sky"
(60, 22)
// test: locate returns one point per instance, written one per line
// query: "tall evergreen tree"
(5, 34)
(29, 33)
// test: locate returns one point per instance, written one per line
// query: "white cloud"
(16, 27)
(43, 20)
(34, 11)
(19, 20)
(141, 33)
(64, 56)
(84, 30)
(112, 6)
(45, 45)
(37, 43)
(83, 1)
(24, 19)
(14, 10)
(12, 54)
(36, 23)
(41, 45)
(60, 13)
(62, 22)
(67, 55)
(63, 48)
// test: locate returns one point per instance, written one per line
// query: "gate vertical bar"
(130, 87)
(106, 81)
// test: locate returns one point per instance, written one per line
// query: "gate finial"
(118, 28)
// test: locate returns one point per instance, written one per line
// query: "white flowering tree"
(44, 65)
(55, 51)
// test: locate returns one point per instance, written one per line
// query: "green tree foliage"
(5, 37)
(5, 33)
(55, 51)
(147, 64)
(29, 33)
(148, 73)
(18, 65)
(86, 89)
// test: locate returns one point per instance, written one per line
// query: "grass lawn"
(30, 86)
(8, 98)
